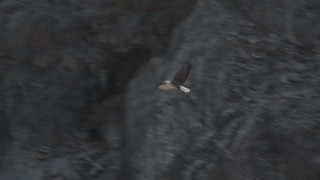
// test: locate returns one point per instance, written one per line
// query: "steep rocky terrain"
(79, 97)
(64, 68)
(253, 112)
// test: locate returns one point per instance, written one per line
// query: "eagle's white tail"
(184, 89)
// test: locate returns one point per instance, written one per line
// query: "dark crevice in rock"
(123, 67)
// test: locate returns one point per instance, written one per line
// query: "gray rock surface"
(64, 68)
(79, 97)
(253, 109)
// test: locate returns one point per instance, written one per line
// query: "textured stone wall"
(253, 108)
(79, 97)
(64, 69)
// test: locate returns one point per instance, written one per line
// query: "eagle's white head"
(167, 85)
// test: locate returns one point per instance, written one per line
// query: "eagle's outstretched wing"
(182, 74)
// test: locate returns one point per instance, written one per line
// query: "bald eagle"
(178, 80)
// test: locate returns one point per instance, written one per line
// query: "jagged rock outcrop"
(253, 109)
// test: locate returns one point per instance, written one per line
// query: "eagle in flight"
(178, 80)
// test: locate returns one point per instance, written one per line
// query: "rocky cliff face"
(253, 108)
(64, 68)
(79, 97)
